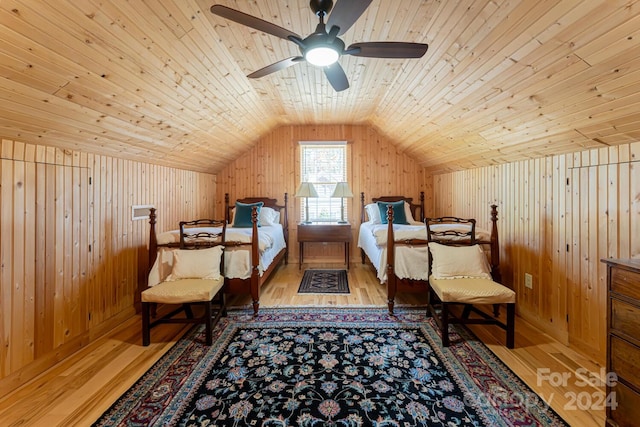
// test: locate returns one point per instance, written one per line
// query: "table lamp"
(306, 190)
(342, 190)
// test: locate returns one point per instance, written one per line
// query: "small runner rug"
(324, 282)
(329, 367)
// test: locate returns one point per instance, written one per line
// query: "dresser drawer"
(624, 319)
(627, 412)
(625, 360)
(324, 233)
(625, 282)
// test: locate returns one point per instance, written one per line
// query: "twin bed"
(252, 252)
(399, 252)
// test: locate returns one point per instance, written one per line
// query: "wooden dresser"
(623, 341)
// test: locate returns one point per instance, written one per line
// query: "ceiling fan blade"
(252, 21)
(277, 66)
(387, 50)
(345, 13)
(337, 77)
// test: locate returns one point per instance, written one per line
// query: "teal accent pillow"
(242, 218)
(398, 212)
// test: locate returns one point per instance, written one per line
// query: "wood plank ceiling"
(164, 81)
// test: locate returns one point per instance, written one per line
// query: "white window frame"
(324, 208)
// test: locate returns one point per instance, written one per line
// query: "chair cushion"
(183, 290)
(196, 264)
(457, 262)
(472, 291)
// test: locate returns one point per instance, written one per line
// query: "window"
(324, 164)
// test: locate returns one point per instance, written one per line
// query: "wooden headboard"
(413, 206)
(270, 203)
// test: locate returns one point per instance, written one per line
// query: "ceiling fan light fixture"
(321, 56)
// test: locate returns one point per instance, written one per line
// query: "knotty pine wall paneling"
(71, 257)
(271, 168)
(558, 216)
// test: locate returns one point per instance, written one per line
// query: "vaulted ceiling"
(164, 81)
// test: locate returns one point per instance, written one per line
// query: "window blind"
(324, 164)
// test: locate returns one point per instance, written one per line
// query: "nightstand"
(319, 232)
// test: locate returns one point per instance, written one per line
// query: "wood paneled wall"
(558, 217)
(272, 168)
(71, 257)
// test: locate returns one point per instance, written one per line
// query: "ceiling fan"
(322, 48)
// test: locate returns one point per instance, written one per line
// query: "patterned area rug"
(329, 367)
(324, 282)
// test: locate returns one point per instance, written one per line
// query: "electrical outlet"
(528, 281)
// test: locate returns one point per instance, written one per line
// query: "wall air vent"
(140, 212)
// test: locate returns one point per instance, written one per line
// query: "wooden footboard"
(396, 284)
(252, 285)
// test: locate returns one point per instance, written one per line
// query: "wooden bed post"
(153, 254)
(362, 221)
(495, 247)
(255, 262)
(286, 228)
(422, 206)
(153, 242)
(226, 207)
(392, 287)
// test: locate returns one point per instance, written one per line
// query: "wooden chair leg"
(390, 306)
(223, 304)
(511, 327)
(466, 311)
(496, 310)
(208, 321)
(146, 333)
(445, 324)
(187, 310)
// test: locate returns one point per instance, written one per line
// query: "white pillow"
(457, 262)
(373, 213)
(232, 216)
(408, 215)
(268, 216)
(162, 267)
(196, 264)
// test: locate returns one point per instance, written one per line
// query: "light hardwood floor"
(76, 391)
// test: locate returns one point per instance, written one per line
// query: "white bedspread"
(242, 235)
(237, 260)
(419, 231)
(400, 232)
(410, 261)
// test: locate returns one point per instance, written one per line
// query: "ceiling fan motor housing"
(321, 38)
